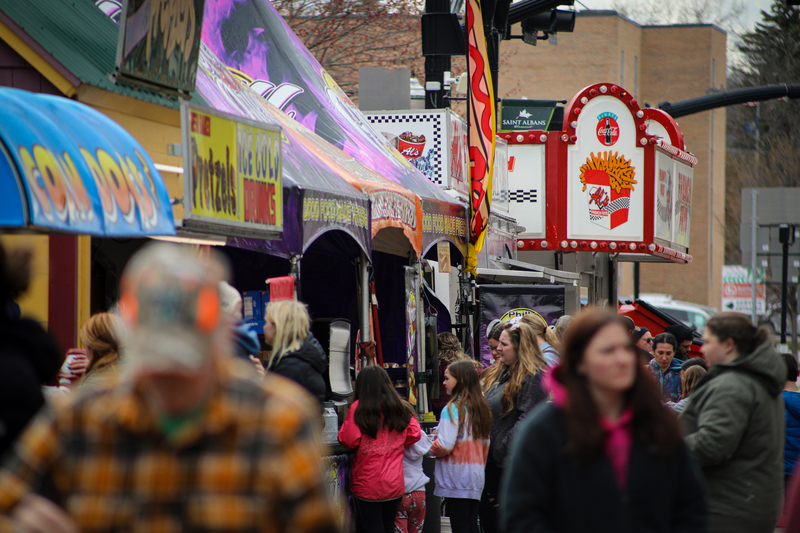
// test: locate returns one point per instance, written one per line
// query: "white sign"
(434, 141)
(500, 176)
(526, 194)
(737, 294)
(664, 197)
(684, 176)
(605, 174)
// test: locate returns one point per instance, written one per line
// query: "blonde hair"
(449, 348)
(541, 329)
(530, 361)
(101, 334)
(450, 351)
(691, 376)
(291, 327)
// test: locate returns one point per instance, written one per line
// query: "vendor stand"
(68, 169)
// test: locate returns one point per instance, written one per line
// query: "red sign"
(607, 129)
(201, 124)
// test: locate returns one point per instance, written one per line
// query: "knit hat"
(170, 304)
(638, 333)
(681, 333)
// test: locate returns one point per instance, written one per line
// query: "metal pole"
(753, 262)
(365, 333)
(422, 388)
(784, 288)
(636, 281)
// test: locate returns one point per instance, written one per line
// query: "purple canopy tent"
(252, 39)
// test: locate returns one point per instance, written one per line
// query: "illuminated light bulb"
(633, 101)
(603, 89)
(632, 246)
(573, 244)
(564, 244)
(642, 141)
(639, 114)
(577, 110)
(603, 246)
(520, 138)
(651, 247)
(612, 245)
(613, 88)
(584, 100)
(564, 137)
(642, 127)
(520, 244)
(543, 138)
(593, 245)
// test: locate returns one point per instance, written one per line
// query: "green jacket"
(734, 425)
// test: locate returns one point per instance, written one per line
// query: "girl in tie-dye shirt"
(462, 446)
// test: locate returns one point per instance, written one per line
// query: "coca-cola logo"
(607, 129)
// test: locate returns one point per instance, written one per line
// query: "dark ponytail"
(746, 337)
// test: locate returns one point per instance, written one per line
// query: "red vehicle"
(645, 315)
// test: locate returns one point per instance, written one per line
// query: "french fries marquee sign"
(232, 174)
(605, 170)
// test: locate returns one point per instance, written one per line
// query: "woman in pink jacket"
(379, 428)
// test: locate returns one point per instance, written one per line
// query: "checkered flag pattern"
(433, 170)
(619, 203)
(521, 196)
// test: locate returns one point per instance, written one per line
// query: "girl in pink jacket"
(379, 428)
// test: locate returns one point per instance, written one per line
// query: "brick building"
(655, 63)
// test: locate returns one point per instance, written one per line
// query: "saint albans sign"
(526, 115)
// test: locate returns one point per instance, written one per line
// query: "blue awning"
(66, 167)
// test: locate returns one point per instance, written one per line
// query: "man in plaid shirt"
(188, 440)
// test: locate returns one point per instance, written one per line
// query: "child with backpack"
(379, 428)
(462, 446)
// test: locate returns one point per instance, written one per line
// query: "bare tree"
(344, 35)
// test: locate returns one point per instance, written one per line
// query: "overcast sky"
(752, 16)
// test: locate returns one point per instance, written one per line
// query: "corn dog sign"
(605, 167)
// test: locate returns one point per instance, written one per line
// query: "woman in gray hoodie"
(734, 425)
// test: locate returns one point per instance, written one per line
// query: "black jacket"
(546, 490)
(306, 366)
(504, 427)
(28, 358)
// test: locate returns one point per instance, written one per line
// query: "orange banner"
(481, 131)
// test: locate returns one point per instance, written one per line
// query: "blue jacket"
(669, 382)
(791, 447)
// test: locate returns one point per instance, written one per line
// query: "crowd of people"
(166, 419)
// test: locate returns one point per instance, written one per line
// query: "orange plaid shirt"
(252, 464)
